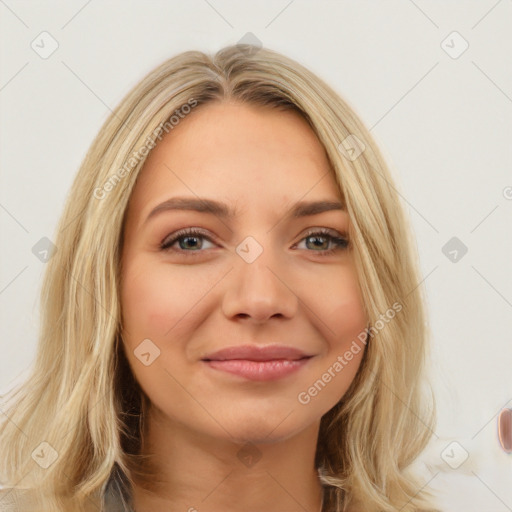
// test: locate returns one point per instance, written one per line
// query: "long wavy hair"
(81, 397)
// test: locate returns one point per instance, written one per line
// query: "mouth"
(256, 363)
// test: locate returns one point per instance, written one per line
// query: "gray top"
(116, 498)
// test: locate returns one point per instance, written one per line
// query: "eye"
(191, 240)
(320, 239)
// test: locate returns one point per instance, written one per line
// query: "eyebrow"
(222, 210)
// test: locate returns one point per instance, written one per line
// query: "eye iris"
(184, 239)
(316, 239)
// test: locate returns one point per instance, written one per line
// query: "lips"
(257, 353)
(257, 363)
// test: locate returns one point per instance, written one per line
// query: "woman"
(275, 363)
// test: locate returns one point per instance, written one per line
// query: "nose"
(259, 290)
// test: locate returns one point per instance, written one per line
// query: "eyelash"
(342, 242)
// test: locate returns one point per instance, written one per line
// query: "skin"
(260, 161)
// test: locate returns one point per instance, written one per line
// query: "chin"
(263, 433)
(259, 427)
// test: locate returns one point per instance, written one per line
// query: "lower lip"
(259, 370)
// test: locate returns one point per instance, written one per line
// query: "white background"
(444, 124)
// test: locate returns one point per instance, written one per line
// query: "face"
(240, 324)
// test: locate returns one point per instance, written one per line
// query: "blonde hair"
(82, 399)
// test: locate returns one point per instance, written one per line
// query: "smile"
(259, 370)
(258, 363)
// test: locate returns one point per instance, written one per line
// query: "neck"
(196, 472)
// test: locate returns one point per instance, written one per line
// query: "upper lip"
(257, 353)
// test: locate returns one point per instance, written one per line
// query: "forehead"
(242, 154)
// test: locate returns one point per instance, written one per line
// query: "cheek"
(340, 307)
(338, 315)
(157, 304)
(348, 321)
(156, 298)
(147, 308)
